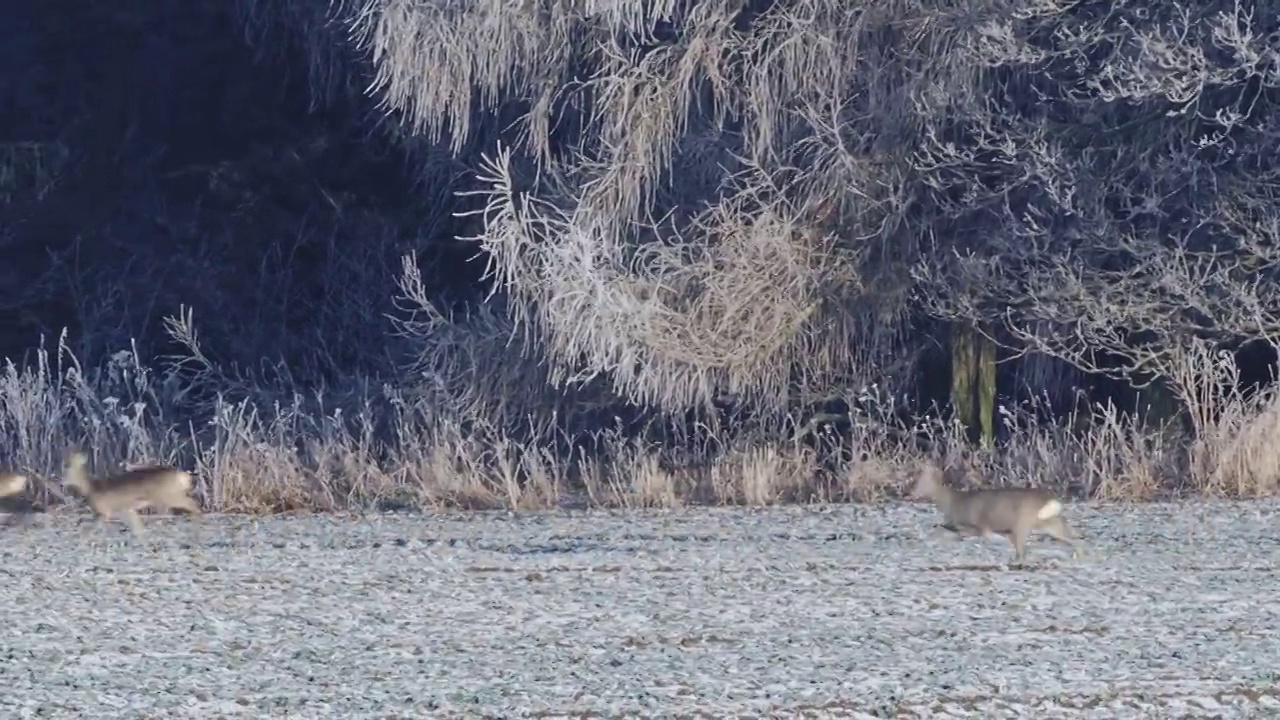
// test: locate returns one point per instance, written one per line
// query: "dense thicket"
(540, 215)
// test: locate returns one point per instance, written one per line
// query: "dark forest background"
(641, 253)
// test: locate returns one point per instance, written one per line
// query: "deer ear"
(956, 470)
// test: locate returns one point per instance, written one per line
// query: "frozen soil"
(792, 612)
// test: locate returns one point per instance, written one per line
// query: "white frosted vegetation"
(789, 613)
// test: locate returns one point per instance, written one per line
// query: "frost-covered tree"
(755, 198)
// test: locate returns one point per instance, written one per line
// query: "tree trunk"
(973, 383)
(987, 389)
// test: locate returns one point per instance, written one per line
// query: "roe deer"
(1012, 512)
(126, 492)
(12, 483)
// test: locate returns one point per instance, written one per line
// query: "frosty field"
(793, 612)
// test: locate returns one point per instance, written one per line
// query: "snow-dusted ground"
(793, 612)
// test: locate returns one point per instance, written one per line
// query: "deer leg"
(1059, 530)
(101, 520)
(190, 506)
(135, 522)
(1019, 537)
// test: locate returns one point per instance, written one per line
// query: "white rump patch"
(1050, 509)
